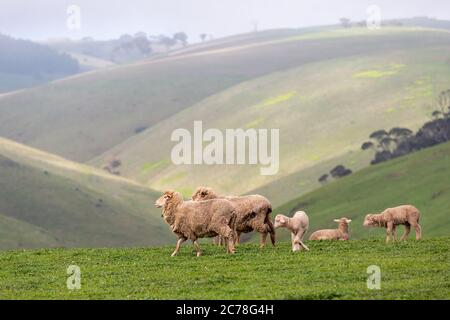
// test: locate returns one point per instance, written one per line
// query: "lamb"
(390, 218)
(193, 220)
(252, 213)
(298, 225)
(341, 233)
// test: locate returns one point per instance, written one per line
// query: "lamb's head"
(280, 221)
(343, 220)
(370, 221)
(203, 193)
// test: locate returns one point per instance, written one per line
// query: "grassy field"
(330, 270)
(48, 201)
(421, 179)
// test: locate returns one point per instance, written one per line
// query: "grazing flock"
(225, 218)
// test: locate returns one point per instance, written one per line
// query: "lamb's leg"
(406, 233)
(197, 247)
(389, 231)
(177, 248)
(293, 241)
(394, 231)
(418, 231)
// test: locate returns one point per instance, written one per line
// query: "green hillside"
(324, 109)
(98, 110)
(336, 270)
(47, 201)
(421, 179)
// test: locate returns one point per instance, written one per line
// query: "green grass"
(421, 179)
(330, 270)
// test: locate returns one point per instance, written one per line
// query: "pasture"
(330, 270)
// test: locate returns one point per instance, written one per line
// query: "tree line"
(25, 57)
(399, 141)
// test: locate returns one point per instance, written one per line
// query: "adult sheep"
(193, 220)
(252, 213)
(392, 217)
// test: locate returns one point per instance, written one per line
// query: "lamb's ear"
(169, 194)
(282, 219)
(349, 220)
(337, 220)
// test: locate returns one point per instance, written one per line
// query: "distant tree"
(340, 171)
(143, 45)
(166, 41)
(367, 145)
(125, 38)
(203, 36)
(345, 22)
(140, 34)
(181, 37)
(323, 178)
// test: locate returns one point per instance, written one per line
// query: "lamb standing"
(341, 233)
(298, 225)
(252, 213)
(392, 217)
(193, 220)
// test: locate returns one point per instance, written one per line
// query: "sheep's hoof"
(173, 254)
(199, 254)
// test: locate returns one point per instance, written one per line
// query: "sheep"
(390, 218)
(298, 225)
(193, 220)
(252, 211)
(341, 233)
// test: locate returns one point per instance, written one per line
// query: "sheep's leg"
(394, 231)
(389, 231)
(197, 247)
(293, 241)
(406, 233)
(262, 241)
(227, 233)
(418, 231)
(238, 237)
(177, 248)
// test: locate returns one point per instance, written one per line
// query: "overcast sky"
(102, 19)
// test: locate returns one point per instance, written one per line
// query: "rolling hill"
(324, 108)
(420, 179)
(47, 201)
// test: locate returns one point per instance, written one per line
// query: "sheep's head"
(343, 220)
(370, 221)
(203, 193)
(164, 199)
(280, 221)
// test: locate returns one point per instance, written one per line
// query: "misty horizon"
(109, 19)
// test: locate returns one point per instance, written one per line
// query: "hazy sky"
(43, 19)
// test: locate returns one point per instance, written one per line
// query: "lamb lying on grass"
(193, 220)
(341, 233)
(392, 217)
(298, 225)
(252, 213)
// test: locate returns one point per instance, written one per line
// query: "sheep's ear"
(337, 220)
(169, 194)
(349, 220)
(282, 219)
